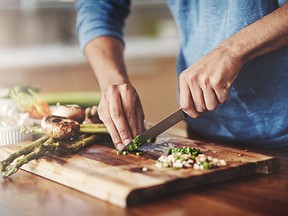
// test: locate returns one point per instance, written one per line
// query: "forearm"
(266, 35)
(105, 55)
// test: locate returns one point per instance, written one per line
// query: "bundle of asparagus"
(62, 136)
(41, 147)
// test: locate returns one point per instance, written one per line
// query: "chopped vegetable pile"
(187, 157)
(134, 147)
(136, 144)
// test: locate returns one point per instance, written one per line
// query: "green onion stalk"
(84, 128)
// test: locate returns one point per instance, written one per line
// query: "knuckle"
(190, 110)
(222, 96)
(185, 106)
(200, 108)
(217, 83)
(194, 80)
(194, 114)
(212, 107)
(104, 118)
(128, 114)
(223, 99)
(126, 86)
(101, 112)
(116, 114)
(204, 81)
(124, 134)
(111, 89)
(182, 76)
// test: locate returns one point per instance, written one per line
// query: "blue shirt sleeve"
(97, 18)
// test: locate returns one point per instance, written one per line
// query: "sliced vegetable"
(149, 140)
(120, 152)
(137, 144)
(187, 157)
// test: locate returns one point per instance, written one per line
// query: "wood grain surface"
(101, 173)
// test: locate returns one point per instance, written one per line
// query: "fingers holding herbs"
(121, 111)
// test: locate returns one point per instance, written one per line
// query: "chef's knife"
(159, 128)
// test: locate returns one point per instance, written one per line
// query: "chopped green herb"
(206, 165)
(136, 144)
(120, 152)
(138, 153)
(184, 150)
(136, 140)
(187, 157)
(131, 148)
(125, 153)
(169, 151)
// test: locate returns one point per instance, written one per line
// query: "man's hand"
(207, 82)
(120, 108)
(121, 111)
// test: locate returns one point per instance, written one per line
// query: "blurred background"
(39, 47)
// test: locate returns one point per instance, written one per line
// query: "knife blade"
(159, 128)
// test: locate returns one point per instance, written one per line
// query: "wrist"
(237, 50)
(113, 79)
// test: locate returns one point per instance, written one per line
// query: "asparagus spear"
(45, 147)
(76, 145)
(93, 128)
(84, 128)
(47, 144)
(34, 130)
(23, 151)
(36, 153)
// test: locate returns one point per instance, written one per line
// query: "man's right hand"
(121, 111)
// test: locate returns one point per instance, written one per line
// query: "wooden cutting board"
(118, 179)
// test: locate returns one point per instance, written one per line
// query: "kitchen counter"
(28, 194)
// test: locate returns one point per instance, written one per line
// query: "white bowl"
(12, 135)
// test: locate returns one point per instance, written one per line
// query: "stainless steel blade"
(159, 128)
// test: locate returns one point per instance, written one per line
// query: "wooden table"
(28, 194)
